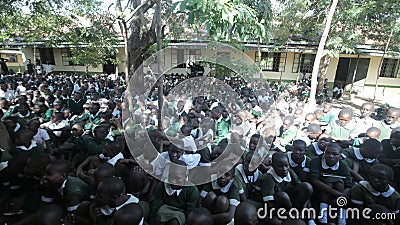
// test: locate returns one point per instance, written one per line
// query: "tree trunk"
(320, 51)
(139, 41)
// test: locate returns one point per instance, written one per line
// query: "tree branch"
(143, 7)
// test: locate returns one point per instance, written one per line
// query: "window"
(390, 68)
(46, 54)
(66, 55)
(12, 58)
(179, 57)
(303, 63)
(272, 61)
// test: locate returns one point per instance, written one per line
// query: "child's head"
(314, 131)
(245, 214)
(206, 124)
(109, 190)
(175, 152)
(323, 141)
(327, 108)
(380, 177)
(255, 141)
(395, 139)
(177, 174)
(199, 216)
(288, 122)
(33, 124)
(55, 173)
(186, 129)
(100, 132)
(36, 165)
(371, 148)
(366, 109)
(23, 108)
(332, 154)
(57, 117)
(131, 214)
(299, 151)
(78, 129)
(319, 114)
(345, 116)
(24, 138)
(373, 132)
(280, 163)
(226, 173)
(112, 149)
(251, 162)
(392, 115)
(103, 171)
(309, 119)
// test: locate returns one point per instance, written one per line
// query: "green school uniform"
(304, 166)
(230, 191)
(385, 128)
(340, 172)
(222, 129)
(93, 147)
(288, 136)
(352, 155)
(329, 117)
(364, 194)
(33, 149)
(185, 199)
(76, 106)
(340, 132)
(272, 183)
(313, 150)
(248, 185)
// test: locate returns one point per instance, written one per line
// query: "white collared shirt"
(33, 144)
(376, 193)
(293, 164)
(277, 178)
(171, 191)
(318, 151)
(359, 156)
(326, 166)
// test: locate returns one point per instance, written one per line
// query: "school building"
(285, 64)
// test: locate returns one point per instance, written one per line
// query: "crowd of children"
(80, 152)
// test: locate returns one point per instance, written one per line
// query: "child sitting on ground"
(25, 145)
(61, 188)
(174, 199)
(221, 196)
(377, 190)
(318, 148)
(331, 179)
(246, 179)
(360, 160)
(281, 187)
(298, 161)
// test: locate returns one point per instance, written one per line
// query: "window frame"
(394, 68)
(274, 61)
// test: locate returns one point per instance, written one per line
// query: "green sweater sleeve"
(158, 199)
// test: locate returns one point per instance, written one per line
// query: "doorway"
(345, 71)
